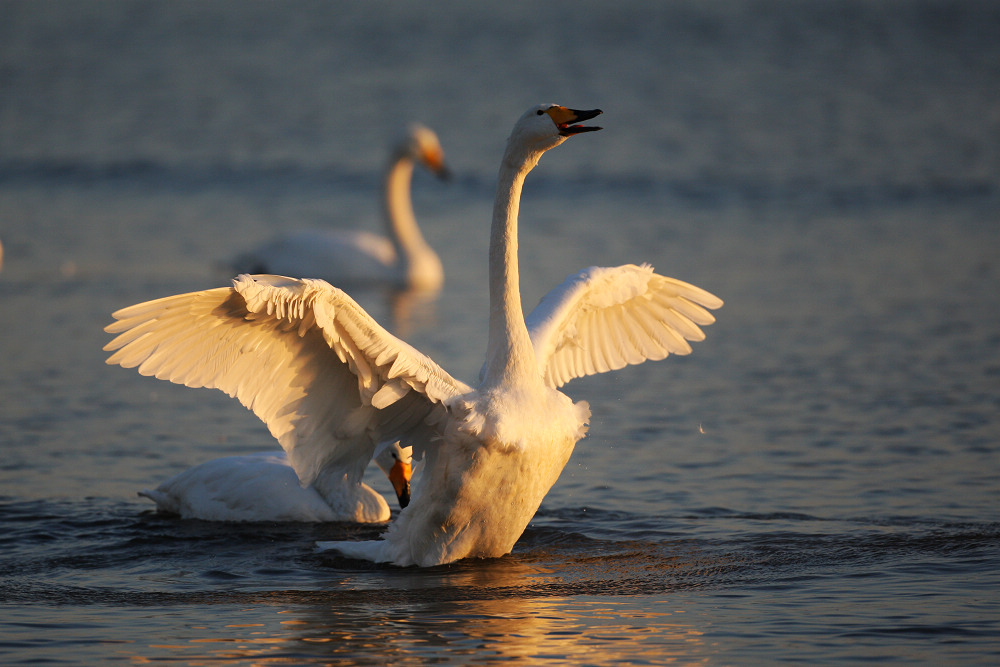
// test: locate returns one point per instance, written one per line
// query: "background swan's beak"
(443, 172)
(399, 475)
(434, 161)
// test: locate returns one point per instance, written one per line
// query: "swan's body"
(264, 487)
(403, 259)
(330, 382)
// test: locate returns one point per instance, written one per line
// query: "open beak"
(399, 475)
(565, 120)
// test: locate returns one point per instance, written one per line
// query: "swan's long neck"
(402, 224)
(510, 356)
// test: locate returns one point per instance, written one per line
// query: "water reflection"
(494, 610)
(575, 630)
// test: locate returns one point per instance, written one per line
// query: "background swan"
(402, 259)
(310, 363)
(264, 487)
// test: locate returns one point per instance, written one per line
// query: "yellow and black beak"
(565, 120)
(399, 475)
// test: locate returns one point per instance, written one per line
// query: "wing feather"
(328, 381)
(602, 319)
(608, 351)
(599, 362)
(637, 349)
(688, 308)
(656, 338)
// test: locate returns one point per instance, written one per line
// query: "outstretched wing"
(324, 376)
(602, 319)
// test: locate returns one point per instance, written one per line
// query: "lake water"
(817, 483)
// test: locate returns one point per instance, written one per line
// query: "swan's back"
(255, 487)
(339, 256)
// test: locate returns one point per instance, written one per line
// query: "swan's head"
(547, 125)
(422, 146)
(396, 462)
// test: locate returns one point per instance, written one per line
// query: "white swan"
(264, 487)
(354, 257)
(330, 382)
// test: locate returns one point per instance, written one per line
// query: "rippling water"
(817, 482)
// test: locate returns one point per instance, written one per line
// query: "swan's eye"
(539, 112)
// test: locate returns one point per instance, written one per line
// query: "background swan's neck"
(510, 356)
(411, 248)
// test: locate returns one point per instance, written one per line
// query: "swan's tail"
(164, 503)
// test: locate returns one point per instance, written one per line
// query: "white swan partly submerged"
(264, 487)
(403, 259)
(330, 382)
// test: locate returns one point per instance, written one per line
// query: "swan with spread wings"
(331, 383)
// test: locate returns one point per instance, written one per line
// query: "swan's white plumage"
(264, 487)
(603, 319)
(253, 487)
(402, 259)
(330, 382)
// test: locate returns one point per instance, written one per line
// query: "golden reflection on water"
(574, 630)
(499, 610)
